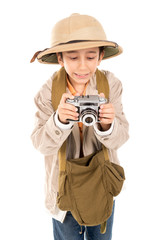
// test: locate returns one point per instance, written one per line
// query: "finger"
(68, 106)
(64, 110)
(106, 120)
(65, 114)
(69, 115)
(107, 116)
(106, 111)
(65, 96)
(106, 105)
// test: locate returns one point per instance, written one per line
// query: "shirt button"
(57, 132)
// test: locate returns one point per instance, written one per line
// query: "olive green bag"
(87, 185)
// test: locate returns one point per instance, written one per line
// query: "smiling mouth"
(82, 75)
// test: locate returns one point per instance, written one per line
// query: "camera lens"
(89, 116)
(89, 120)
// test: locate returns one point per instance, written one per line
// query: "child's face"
(80, 64)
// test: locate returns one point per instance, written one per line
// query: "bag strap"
(58, 87)
(105, 152)
(62, 157)
(102, 84)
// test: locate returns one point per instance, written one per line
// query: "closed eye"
(90, 57)
(73, 58)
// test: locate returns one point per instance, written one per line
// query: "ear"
(101, 57)
(60, 60)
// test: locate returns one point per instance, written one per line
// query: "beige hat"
(74, 33)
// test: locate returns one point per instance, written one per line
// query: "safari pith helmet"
(74, 33)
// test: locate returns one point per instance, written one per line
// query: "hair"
(101, 49)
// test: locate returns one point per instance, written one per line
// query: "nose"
(82, 63)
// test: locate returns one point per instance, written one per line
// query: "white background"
(25, 27)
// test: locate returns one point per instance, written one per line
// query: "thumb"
(102, 95)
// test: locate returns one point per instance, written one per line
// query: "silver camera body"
(88, 108)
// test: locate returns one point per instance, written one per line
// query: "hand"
(66, 110)
(106, 114)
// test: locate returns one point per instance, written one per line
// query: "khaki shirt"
(47, 137)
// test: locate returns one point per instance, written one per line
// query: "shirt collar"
(71, 88)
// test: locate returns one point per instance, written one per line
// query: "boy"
(79, 45)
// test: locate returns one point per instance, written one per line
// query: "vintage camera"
(88, 108)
